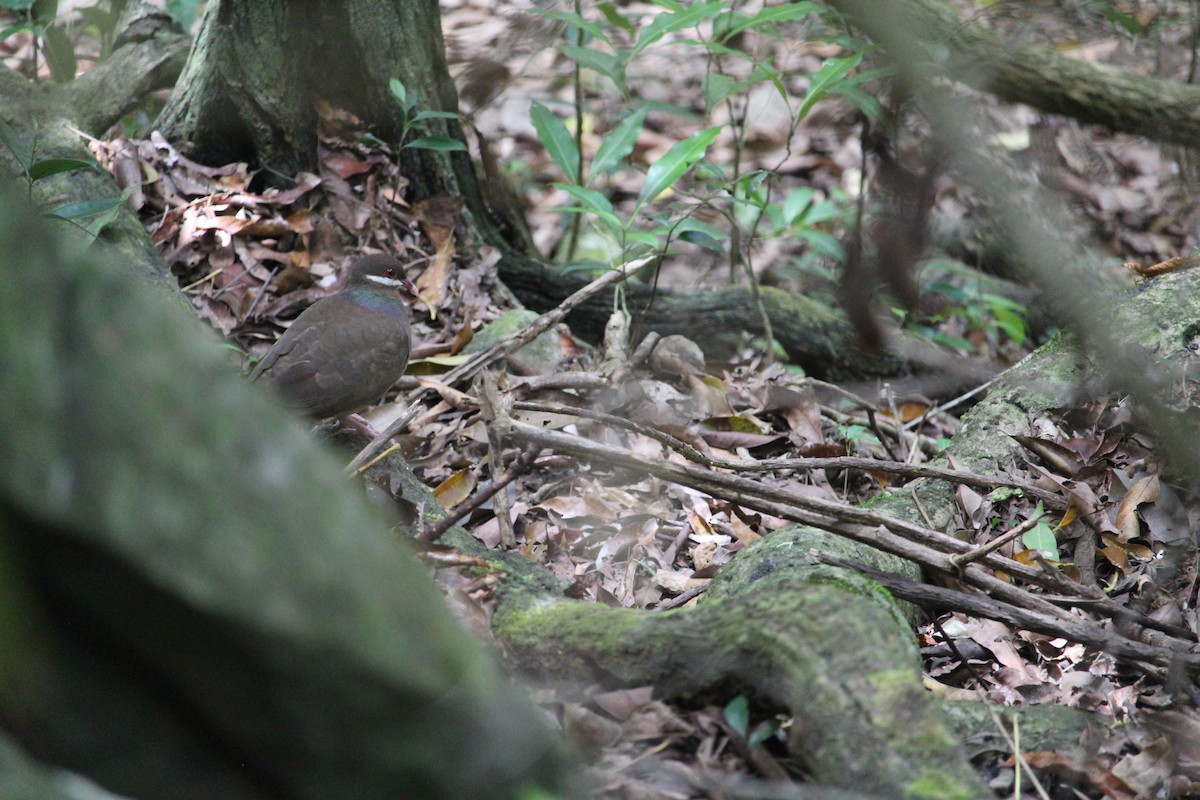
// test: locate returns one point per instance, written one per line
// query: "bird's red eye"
(390, 272)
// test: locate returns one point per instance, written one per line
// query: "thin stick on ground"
(904, 470)
(516, 469)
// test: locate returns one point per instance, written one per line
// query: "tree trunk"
(259, 71)
(45, 120)
(1166, 110)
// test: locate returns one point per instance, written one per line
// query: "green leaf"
(737, 714)
(785, 12)
(823, 212)
(16, 27)
(1000, 301)
(610, 66)
(614, 18)
(441, 144)
(400, 92)
(45, 11)
(576, 21)
(701, 234)
(590, 199)
(1041, 538)
(15, 5)
(97, 223)
(718, 88)
(557, 140)
(618, 144)
(678, 160)
(1011, 323)
(864, 101)
(421, 116)
(643, 238)
(1125, 21)
(87, 208)
(53, 166)
(763, 731)
(798, 202)
(677, 20)
(716, 48)
(826, 80)
(594, 203)
(22, 153)
(60, 53)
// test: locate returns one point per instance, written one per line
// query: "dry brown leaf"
(1054, 455)
(1143, 490)
(439, 217)
(434, 283)
(622, 703)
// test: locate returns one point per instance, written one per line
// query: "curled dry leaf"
(1054, 455)
(1143, 490)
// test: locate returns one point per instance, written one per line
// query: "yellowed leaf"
(456, 488)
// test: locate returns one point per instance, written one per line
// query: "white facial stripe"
(382, 281)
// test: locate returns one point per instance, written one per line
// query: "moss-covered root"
(826, 645)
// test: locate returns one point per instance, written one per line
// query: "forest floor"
(249, 261)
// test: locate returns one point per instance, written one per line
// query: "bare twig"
(1072, 628)
(679, 600)
(493, 407)
(995, 544)
(453, 516)
(1050, 499)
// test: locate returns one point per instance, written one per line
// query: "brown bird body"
(345, 350)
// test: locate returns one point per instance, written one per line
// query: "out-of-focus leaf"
(677, 20)
(614, 18)
(557, 140)
(826, 80)
(618, 144)
(53, 166)
(610, 66)
(87, 208)
(21, 152)
(737, 714)
(784, 12)
(421, 116)
(701, 233)
(442, 144)
(400, 92)
(574, 20)
(678, 160)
